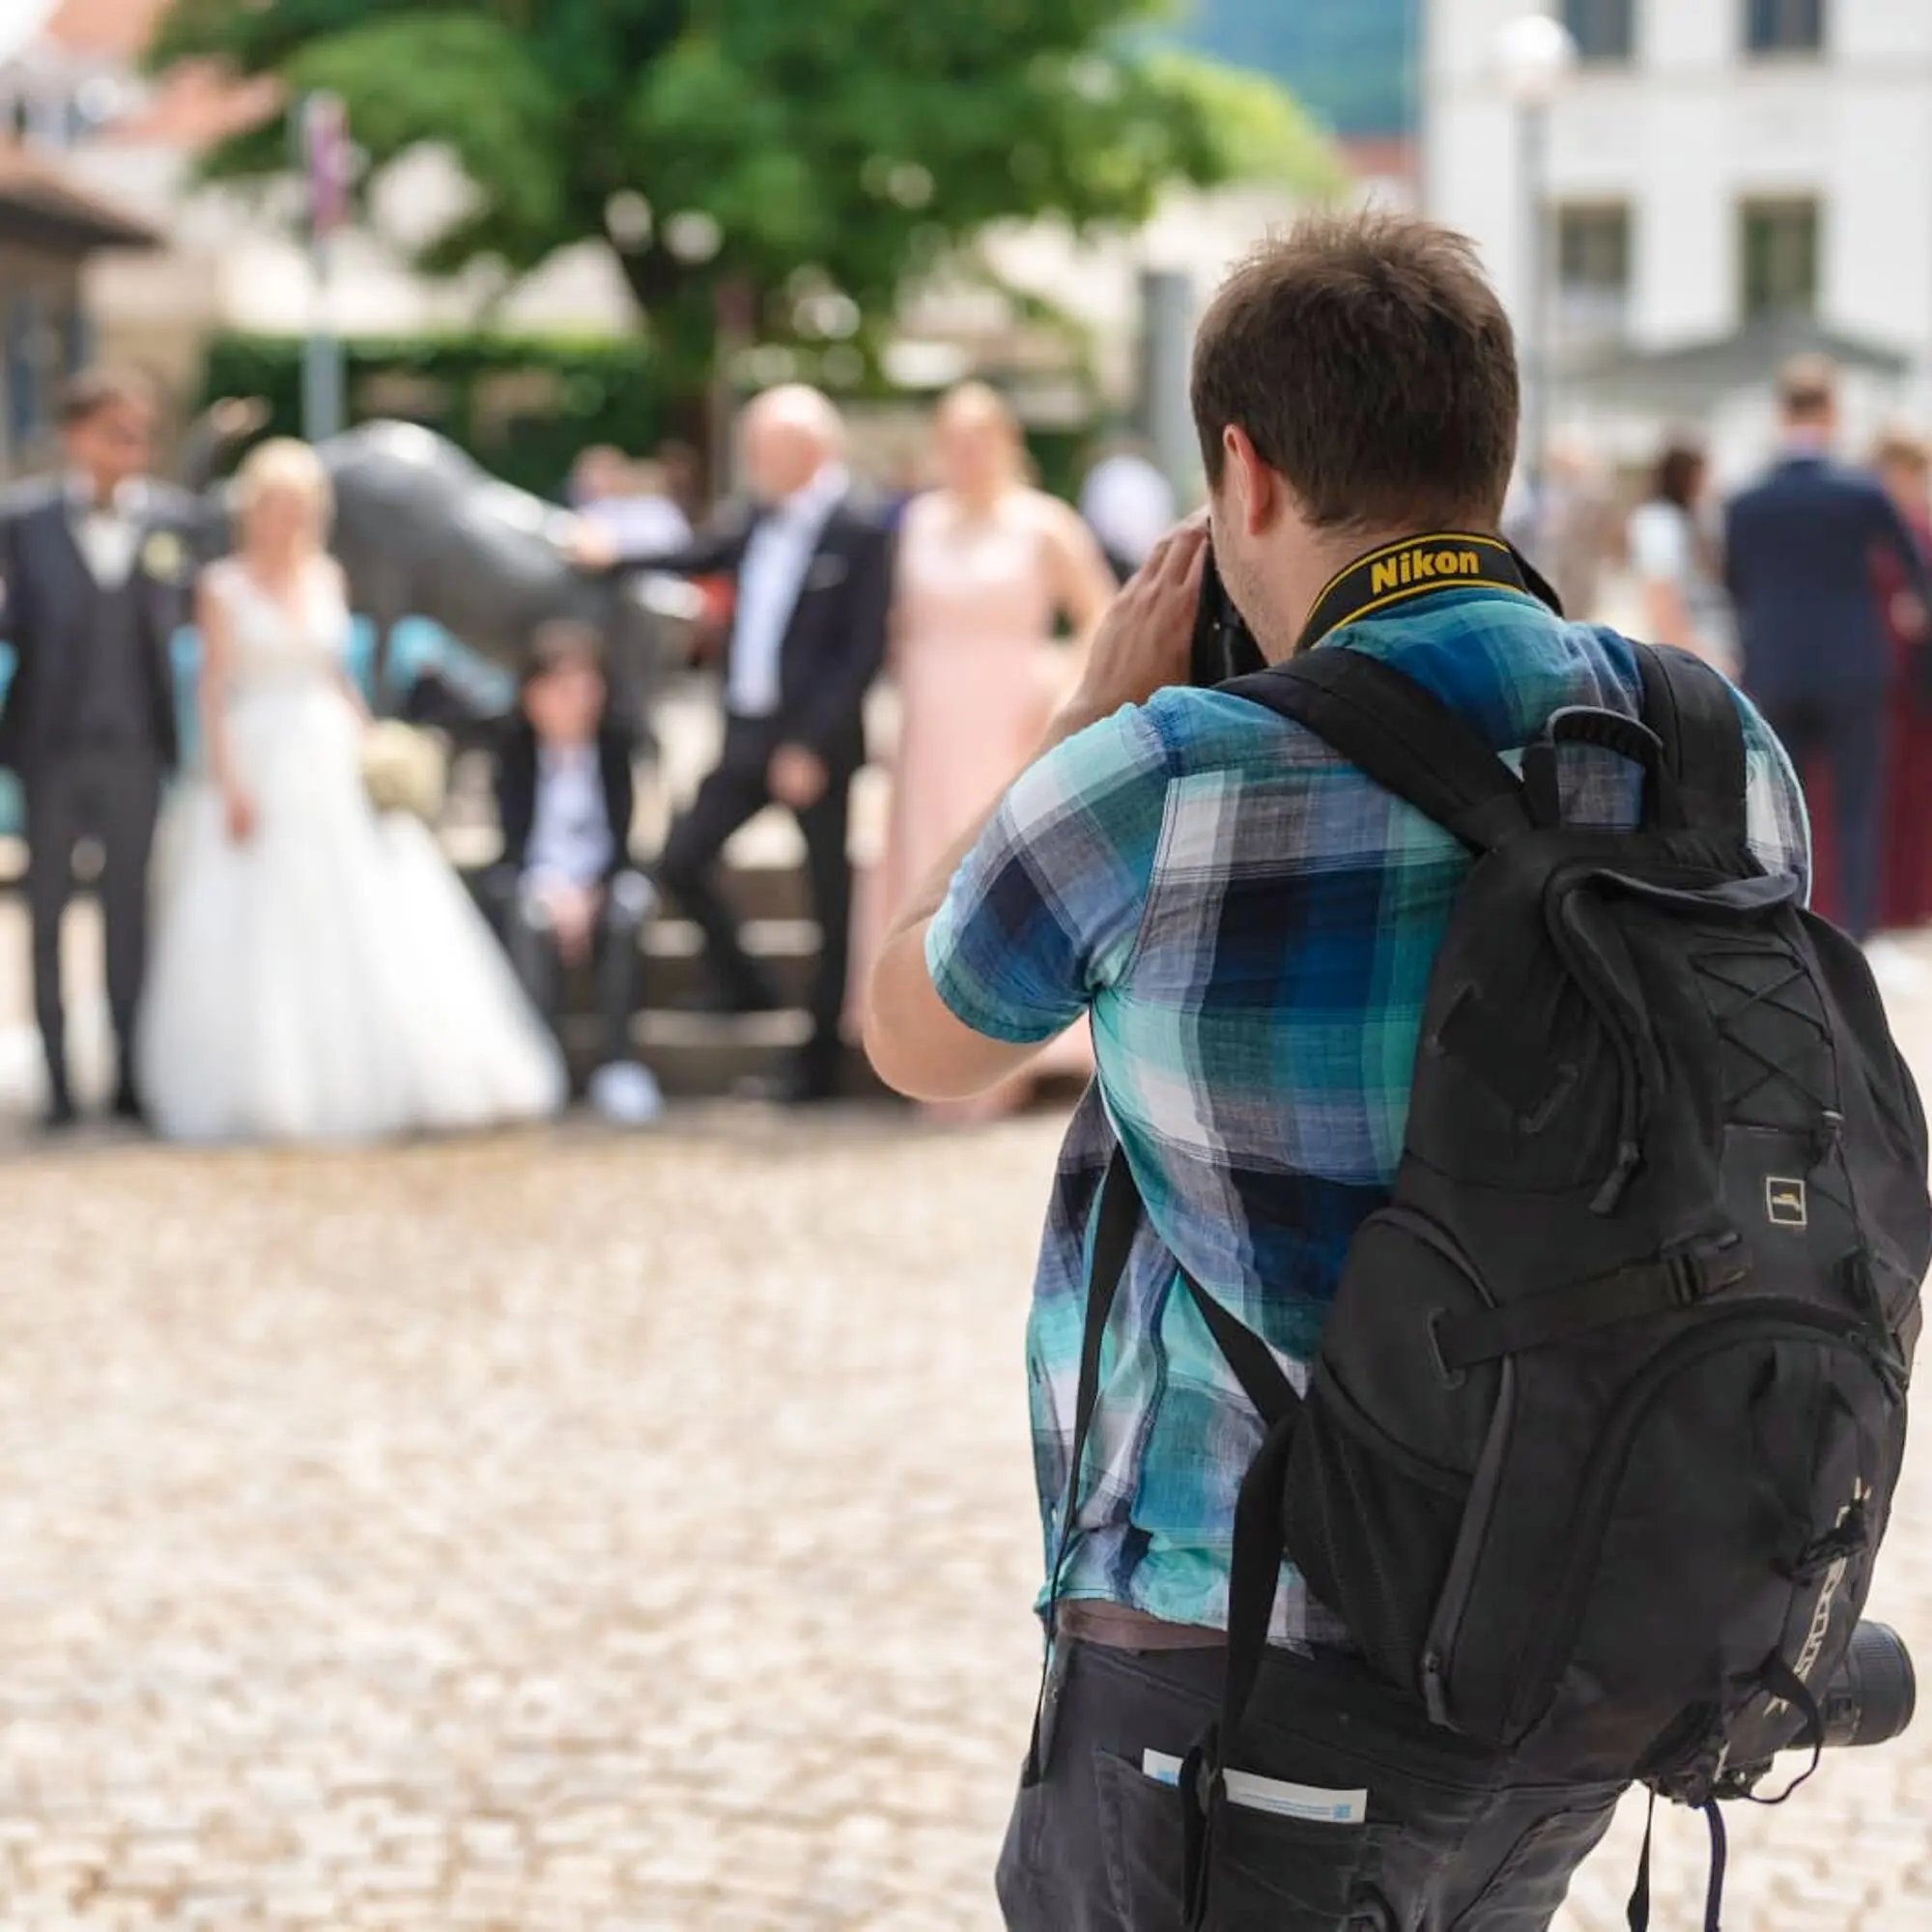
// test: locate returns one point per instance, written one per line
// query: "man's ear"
(1256, 488)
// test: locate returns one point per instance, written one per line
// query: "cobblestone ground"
(561, 1533)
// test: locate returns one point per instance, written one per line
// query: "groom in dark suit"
(97, 566)
(812, 561)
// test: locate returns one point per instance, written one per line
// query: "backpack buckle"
(1696, 1273)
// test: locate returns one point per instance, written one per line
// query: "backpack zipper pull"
(1610, 1196)
(1435, 1694)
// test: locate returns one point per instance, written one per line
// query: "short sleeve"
(1044, 912)
(1777, 826)
(1658, 544)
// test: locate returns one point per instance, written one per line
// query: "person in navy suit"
(98, 566)
(1799, 551)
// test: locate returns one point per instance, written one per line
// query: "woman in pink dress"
(985, 566)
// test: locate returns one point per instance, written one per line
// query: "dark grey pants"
(112, 795)
(1451, 1842)
(732, 795)
(531, 941)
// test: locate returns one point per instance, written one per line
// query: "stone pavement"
(561, 1533)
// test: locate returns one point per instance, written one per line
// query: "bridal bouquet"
(403, 769)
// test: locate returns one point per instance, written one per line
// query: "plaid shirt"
(1250, 923)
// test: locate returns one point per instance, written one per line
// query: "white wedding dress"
(328, 977)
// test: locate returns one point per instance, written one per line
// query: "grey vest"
(113, 692)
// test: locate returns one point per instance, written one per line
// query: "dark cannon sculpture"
(423, 531)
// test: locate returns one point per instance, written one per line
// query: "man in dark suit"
(1798, 548)
(97, 566)
(564, 892)
(813, 563)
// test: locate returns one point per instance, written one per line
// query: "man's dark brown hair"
(1370, 363)
(88, 393)
(1807, 386)
(558, 642)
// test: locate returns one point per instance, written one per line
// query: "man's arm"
(1729, 559)
(622, 805)
(1891, 532)
(918, 1043)
(716, 551)
(516, 789)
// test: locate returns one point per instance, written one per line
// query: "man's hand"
(589, 545)
(1143, 641)
(237, 810)
(796, 777)
(571, 913)
(575, 910)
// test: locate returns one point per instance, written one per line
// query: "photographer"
(1251, 923)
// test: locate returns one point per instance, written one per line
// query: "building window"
(1780, 250)
(1593, 269)
(1784, 26)
(1604, 29)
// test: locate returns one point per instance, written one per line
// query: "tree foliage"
(838, 146)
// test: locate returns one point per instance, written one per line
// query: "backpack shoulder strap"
(1693, 712)
(1402, 735)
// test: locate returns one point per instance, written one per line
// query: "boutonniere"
(163, 556)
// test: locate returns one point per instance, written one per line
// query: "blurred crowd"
(315, 972)
(1810, 587)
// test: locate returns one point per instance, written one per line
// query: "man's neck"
(91, 491)
(1314, 566)
(1806, 443)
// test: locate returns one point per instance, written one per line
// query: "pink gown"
(980, 677)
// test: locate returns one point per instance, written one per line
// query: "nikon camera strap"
(1399, 572)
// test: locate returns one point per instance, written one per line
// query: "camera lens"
(1872, 1694)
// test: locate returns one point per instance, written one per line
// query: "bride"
(318, 973)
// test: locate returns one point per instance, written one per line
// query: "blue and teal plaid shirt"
(1250, 923)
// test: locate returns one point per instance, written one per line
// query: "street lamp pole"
(322, 144)
(1536, 56)
(1533, 165)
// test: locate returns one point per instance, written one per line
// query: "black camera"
(1223, 645)
(1871, 1695)
(1868, 1700)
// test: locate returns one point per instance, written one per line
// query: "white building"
(1751, 169)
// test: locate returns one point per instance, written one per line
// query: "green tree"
(819, 152)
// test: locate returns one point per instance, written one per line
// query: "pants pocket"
(1270, 1874)
(1529, 1886)
(1017, 1880)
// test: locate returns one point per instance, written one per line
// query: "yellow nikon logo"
(1421, 566)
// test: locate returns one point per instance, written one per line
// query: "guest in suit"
(99, 568)
(565, 891)
(813, 568)
(1815, 650)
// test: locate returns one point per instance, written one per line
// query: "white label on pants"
(1309, 1801)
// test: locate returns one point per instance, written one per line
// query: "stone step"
(704, 1056)
(675, 968)
(765, 889)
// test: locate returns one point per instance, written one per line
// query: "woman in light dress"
(1673, 553)
(318, 972)
(985, 566)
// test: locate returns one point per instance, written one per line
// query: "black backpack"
(1601, 1435)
